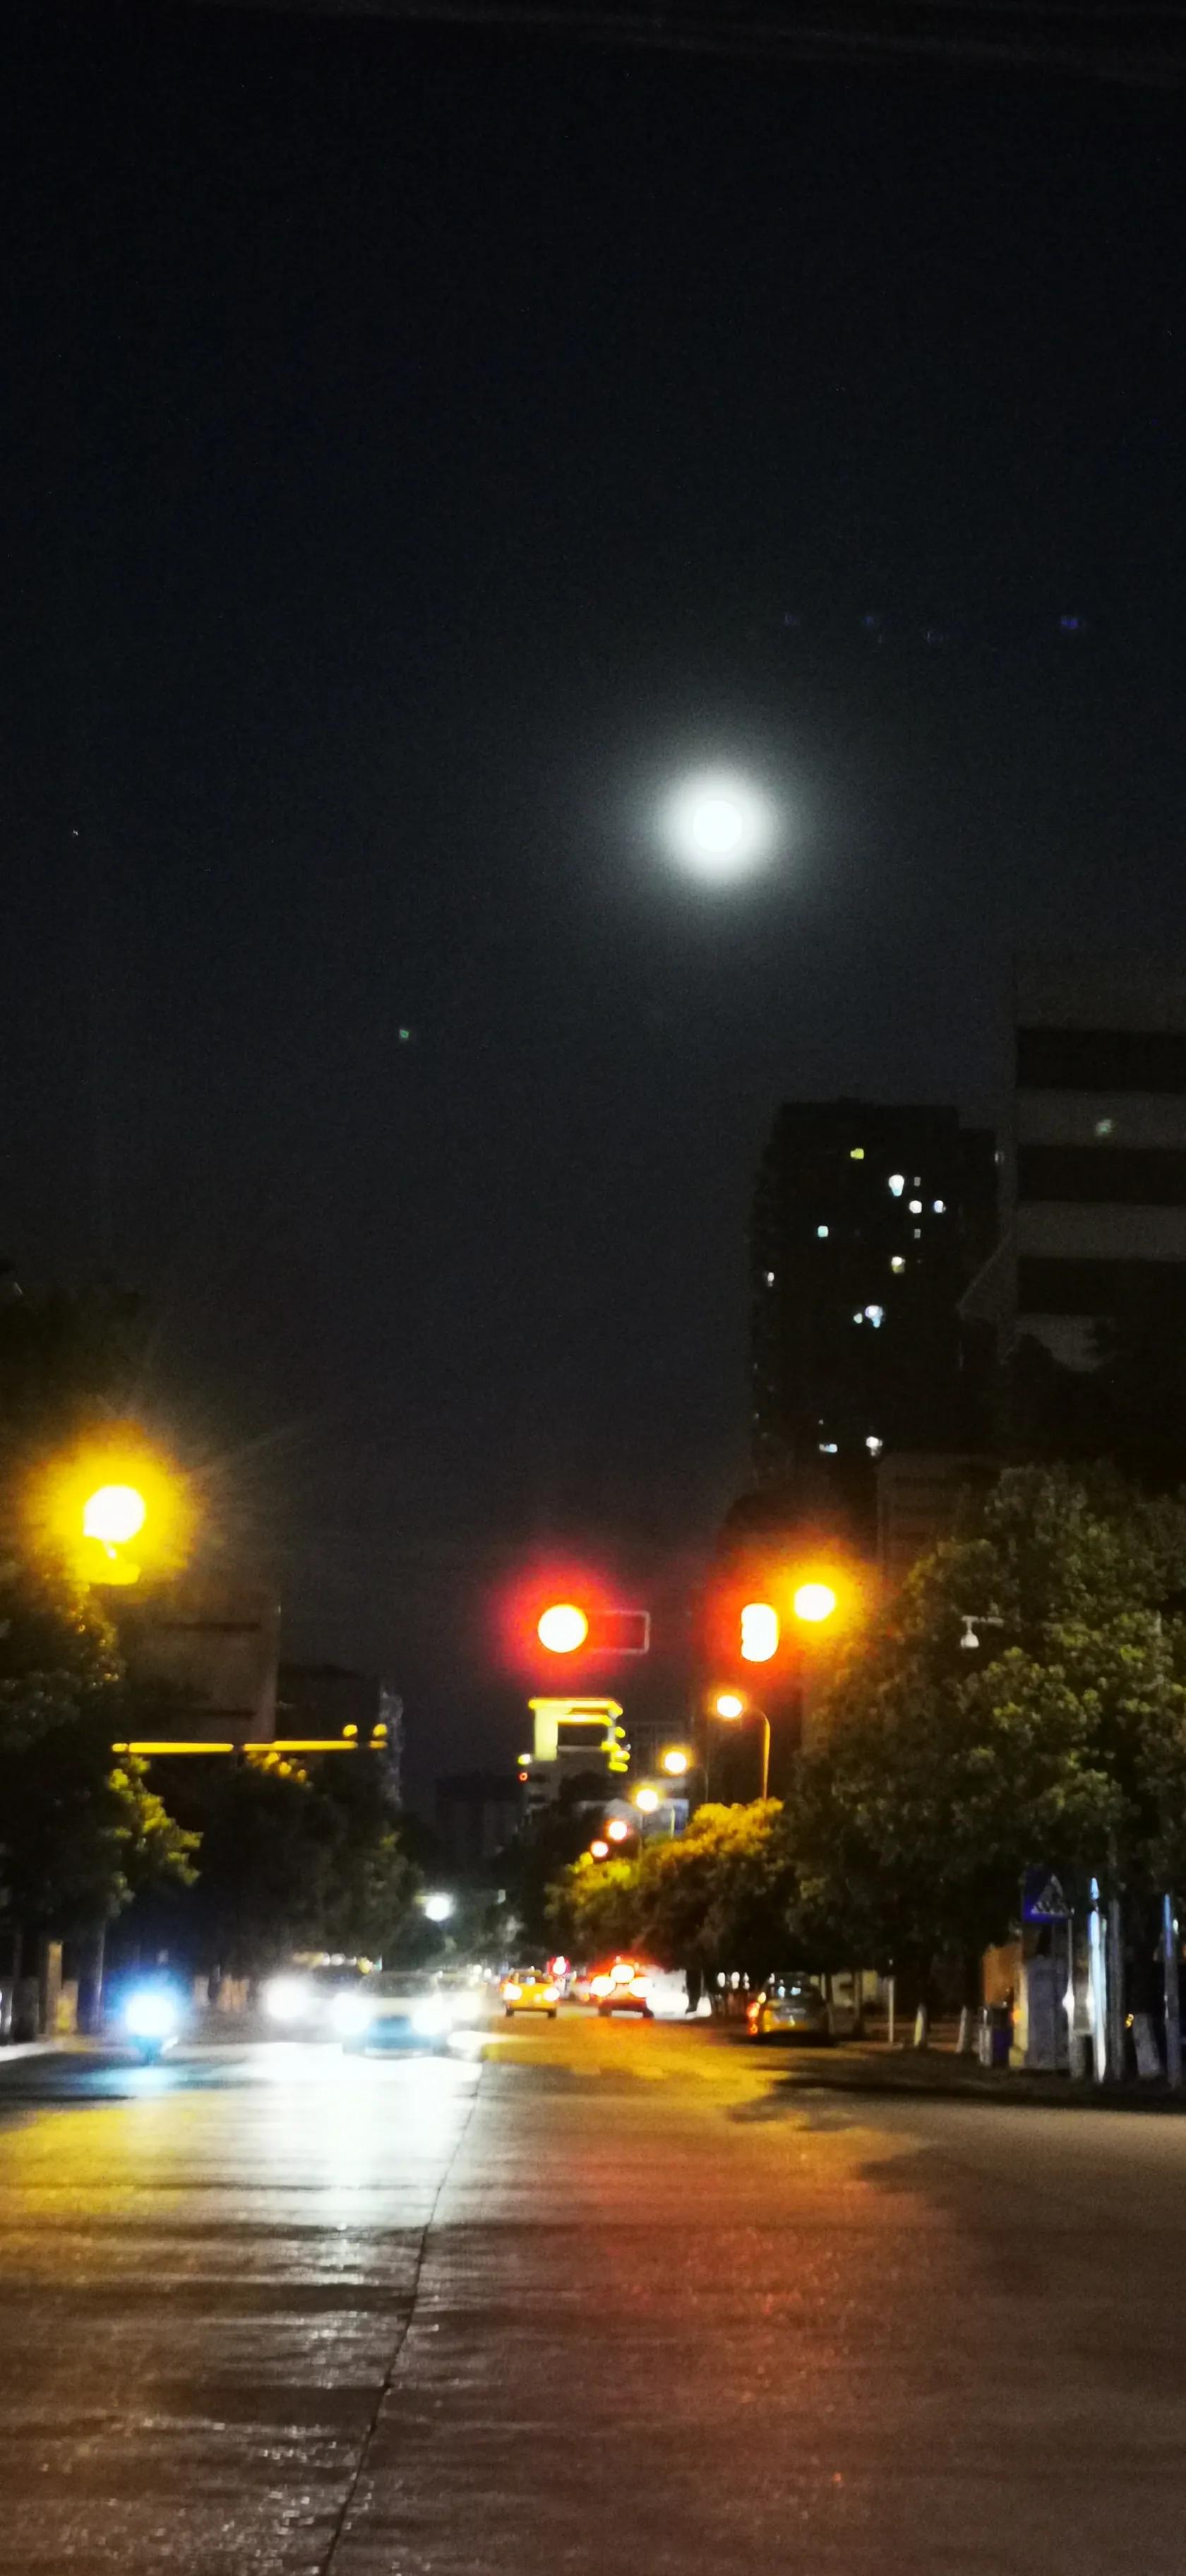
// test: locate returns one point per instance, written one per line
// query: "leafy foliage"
(1063, 1742)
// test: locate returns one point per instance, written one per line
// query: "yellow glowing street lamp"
(676, 1761)
(98, 1502)
(113, 1514)
(728, 1704)
(647, 1801)
(598, 1850)
(617, 1829)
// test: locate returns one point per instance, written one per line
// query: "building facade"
(868, 1222)
(1098, 1163)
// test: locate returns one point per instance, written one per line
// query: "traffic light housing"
(577, 1627)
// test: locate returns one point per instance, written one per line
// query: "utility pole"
(1173, 2010)
(1115, 1992)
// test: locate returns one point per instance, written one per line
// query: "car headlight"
(350, 2015)
(600, 1986)
(149, 2014)
(431, 2019)
(551, 1994)
(285, 1998)
(512, 1992)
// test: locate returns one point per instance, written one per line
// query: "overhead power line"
(1094, 39)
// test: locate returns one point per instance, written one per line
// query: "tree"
(263, 1874)
(1062, 1743)
(723, 1895)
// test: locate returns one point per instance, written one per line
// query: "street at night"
(610, 2296)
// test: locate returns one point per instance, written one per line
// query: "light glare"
(814, 1601)
(114, 1514)
(718, 825)
(562, 1628)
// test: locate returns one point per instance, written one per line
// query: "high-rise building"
(1099, 1153)
(868, 1222)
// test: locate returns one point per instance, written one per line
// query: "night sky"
(420, 445)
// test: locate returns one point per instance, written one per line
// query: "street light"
(647, 1801)
(439, 1907)
(617, 1829)
(676, 1761)
(112, 1493)
(731, 1706)
(598, 1850)
(114, 1514)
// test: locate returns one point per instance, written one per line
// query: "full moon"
(718, 826)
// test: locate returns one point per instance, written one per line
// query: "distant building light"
(856, 1153)
(874, 1445)
(859, 1318)
(821, 1232)
(940, 1208)
(770, 1279)
(875, 1315)
(916, 1207)
(897, 1182)
(828, 1448)
(1105, 1126)
(918, 1234)
(897, 1262)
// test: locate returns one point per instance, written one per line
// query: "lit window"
(875, 1315)
(770, 1279)
(897, 1182)
(916, 1207)
(917, 1184)
(940, 1207)
(897, 1262)
(856, 1154)
(858, 1318)
(1104, 1126)
(821, 1233)
(828, 1448)
(918, 1234)
(873, 1445)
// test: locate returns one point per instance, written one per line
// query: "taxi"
(529, 1990)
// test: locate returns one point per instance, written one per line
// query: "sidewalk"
(869, 2066)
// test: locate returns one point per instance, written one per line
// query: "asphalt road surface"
(617, 2297)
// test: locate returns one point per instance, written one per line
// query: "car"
(789, 2007)
(397, 2008)
(530, 1990)
(301, 2000)
(621, 1986)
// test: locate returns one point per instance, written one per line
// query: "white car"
(301, 2002)
(399, 2008)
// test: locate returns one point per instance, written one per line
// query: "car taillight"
(600, 1986)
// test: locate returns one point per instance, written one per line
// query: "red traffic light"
(567, 1627)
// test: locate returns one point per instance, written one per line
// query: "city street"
(617, 2294)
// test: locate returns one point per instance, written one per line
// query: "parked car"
(789, 2007)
